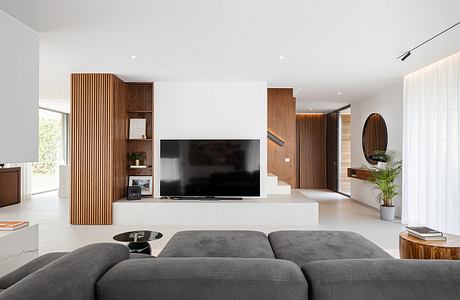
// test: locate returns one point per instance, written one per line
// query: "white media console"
(294, 209)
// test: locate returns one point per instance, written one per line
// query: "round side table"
(411, 247)
(138, 241)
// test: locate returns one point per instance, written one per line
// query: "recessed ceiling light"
(281, 57)
(310, 108)
(339, 93)
(133, 56)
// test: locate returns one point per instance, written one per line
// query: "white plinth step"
(277, 187)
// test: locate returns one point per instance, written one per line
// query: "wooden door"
(311, 151)
(332, 138)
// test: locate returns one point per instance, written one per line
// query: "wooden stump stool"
(411, 247)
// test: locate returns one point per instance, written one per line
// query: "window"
(53, 147)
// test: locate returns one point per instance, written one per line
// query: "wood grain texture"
(281, 121)
(375, 136)
(140, 105)
(359, 173)
(311, 151)
(411, 247)
(98, 145)
(10, 186)
(120, 145)
(140, 96)
(345, 153)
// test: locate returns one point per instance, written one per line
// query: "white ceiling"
(328, 45)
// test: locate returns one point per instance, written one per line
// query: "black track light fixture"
(406, 54)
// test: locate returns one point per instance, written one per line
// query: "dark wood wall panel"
(98, 140)
(120, 159)
(140, 105)
(311, 151)
(332, 140)
(140, 96)
(281, 121)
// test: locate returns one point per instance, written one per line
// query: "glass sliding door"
(344, 150)
(52, 151)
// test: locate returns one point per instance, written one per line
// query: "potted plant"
(383, 180)
(136, 157)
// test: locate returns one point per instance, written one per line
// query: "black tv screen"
(210, 168)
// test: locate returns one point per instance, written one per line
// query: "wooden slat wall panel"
(281, 121)
(92, 131)
(311, 151)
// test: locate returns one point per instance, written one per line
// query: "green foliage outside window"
(50, 141)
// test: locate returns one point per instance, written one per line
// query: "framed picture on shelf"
(144, 182)
(137, 129)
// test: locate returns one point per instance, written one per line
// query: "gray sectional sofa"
(236, 265)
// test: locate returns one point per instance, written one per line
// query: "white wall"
(18, 91)
(389, 103)
(210, 110)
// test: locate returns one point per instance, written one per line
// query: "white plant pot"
(381, 165)
(137, 162)
(387, 213)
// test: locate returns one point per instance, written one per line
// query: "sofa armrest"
(73, 276)
(382, 279)
(204, 279)
(30, 267)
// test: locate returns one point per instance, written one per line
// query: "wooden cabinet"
(10, 186)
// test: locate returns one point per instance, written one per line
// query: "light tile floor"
(336, 212)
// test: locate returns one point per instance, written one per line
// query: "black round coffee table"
(138, 241)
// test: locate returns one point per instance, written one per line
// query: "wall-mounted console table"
(359, 173)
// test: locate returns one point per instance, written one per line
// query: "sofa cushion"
(302, 247)
(73, 276)
(30, 267)
(140, 255)
(203, 279)
(382, 279)
(218, 243)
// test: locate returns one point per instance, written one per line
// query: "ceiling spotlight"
(310, 108)
(281, 57)
(406, 55)
(339, 93)
(133, 56)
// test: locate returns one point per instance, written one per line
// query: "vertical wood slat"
(97, 109)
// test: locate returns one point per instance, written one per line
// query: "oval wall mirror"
(375, 136)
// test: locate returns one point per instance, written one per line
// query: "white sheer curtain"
(26, 179)
(431, 170)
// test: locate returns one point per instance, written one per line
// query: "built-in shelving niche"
(140, 105)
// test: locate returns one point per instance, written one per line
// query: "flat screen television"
(210, 168)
